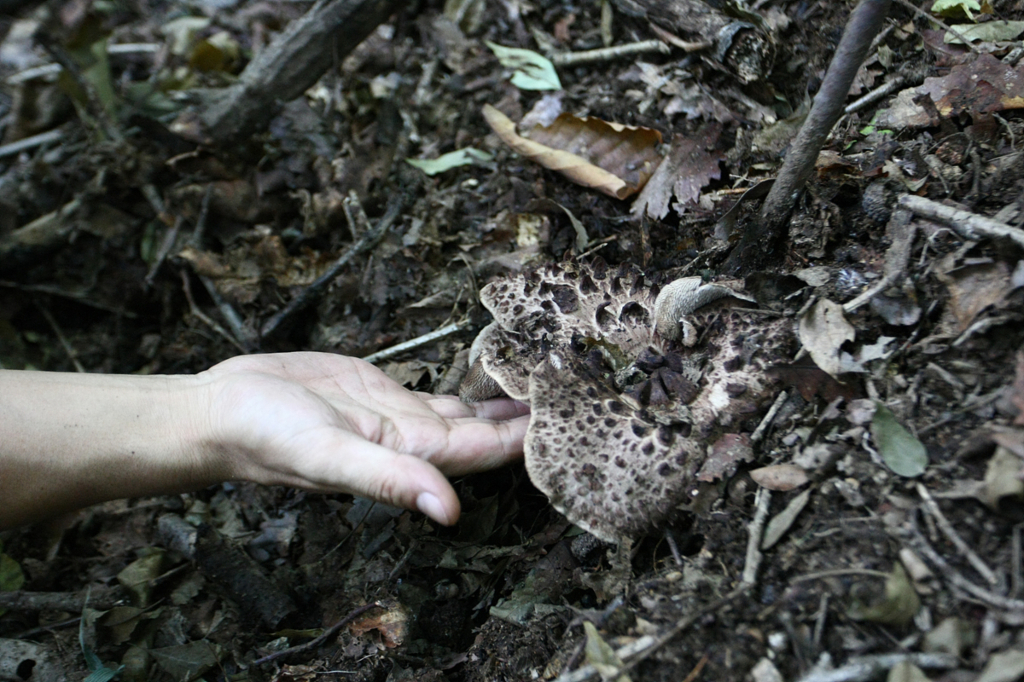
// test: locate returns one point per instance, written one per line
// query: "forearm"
(70, 440)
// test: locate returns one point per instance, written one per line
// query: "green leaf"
(901, 451)
(11, 576)
(989, 32)
(445, 162)
(103, 674)
(898, 607)
(532, 71)
(602, 656)
(954, 8)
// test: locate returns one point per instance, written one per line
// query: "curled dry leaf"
(823, 330)
(780, 477)
(612, 158)
(690, 165)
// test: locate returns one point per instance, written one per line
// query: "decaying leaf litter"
(862, 524)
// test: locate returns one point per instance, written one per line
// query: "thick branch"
(291, 64)
(762, 240)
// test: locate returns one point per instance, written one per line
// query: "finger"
(500, 408)
(480, 445)
(447, 406)
(371, 470)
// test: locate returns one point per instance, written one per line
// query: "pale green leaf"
(445, 162)
(953, 8)
(1005, 666)
(602, 656)
(989, 32)
(531, 70)
(898, 607)
(901, 451)
(11, 577)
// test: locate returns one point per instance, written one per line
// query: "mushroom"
(625, 380)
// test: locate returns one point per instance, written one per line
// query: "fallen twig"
(72, 602)
(755, 529)
(640, 649)
(966, 224)
(27, 143)
(290, 65)
(400, 348)
(606, 54)
(932, 507)
(912, 536)
(762, 238)
(313, 292)
(206, 319)
(326, 635)
(759, 432)
(862, 668)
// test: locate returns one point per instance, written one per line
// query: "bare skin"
(310, 420)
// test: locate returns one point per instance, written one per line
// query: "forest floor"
(878, 566)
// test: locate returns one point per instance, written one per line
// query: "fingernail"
(432, 507)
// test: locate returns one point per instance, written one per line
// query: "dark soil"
(505, 593)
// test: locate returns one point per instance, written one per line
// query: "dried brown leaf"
(687, 168)
(983, 86)
(614, 159)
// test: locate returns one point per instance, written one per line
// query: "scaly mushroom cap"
(626, 386)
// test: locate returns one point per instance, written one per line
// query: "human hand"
(337, 424)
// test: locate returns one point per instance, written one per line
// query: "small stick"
(430, 337)
(919, 544)
(55, 135)
(909, 77)
(358, 223)
(326, 635)
(759, 432)
(68, 348)
(640, 649)
(673, 547)
(755, 529)
(165, 248)
(932, 507)
(206, 319)
(763, 239)
(861, 668)
(313, 292)
(837, 572)
(966, 224)
(605, 54)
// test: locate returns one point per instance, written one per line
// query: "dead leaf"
(1003, 487)
(726, 454)
(780, 477)
(973, 288)
(612, 158)
(392, 623)
(782, 521)
(811, 381)
(1005, 666)
(983, 86)
(687, 168)
(823, 330)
